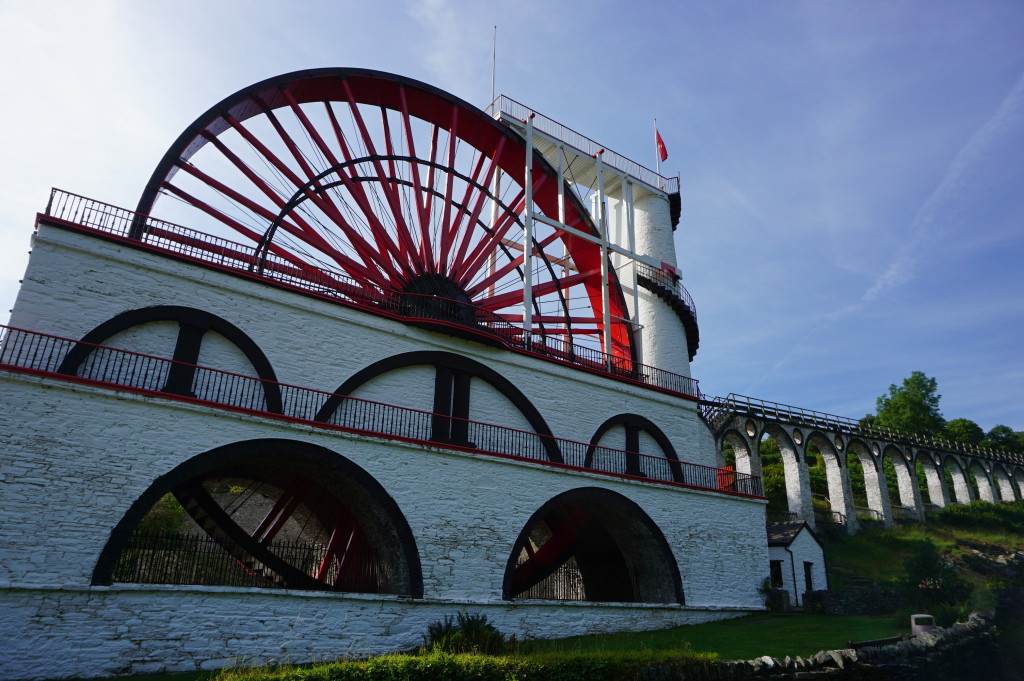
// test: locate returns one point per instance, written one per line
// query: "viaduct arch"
(930, 472)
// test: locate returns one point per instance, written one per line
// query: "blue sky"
(852, 172)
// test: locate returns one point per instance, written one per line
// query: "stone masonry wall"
(75, 282)
(78, 456)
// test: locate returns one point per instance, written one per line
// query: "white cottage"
(796, 560)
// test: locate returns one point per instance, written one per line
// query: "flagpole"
(657, 152)
(494, 60)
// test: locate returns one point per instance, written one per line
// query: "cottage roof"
(783, 534)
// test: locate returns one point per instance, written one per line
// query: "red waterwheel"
(289, 529)
(392, 186)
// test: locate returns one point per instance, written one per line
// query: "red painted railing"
(241, 259)
(45, 354)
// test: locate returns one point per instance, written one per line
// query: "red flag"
(662, 151)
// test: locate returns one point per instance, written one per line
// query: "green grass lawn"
(740, 639)
(735, 639)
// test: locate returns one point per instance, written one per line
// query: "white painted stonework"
(76, 457)
(804, 548)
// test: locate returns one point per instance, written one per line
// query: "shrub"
(931, 581)
(465, 634)
(1008, 517)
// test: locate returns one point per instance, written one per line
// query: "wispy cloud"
(457, 49)
(937, 216)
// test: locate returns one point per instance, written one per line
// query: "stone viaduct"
(931, 472)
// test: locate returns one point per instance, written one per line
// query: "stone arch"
(592, 544)
(1017, 476)
(1003, 483)
(935, 481)
(634, 462)
(981, 481)
(962, 489)
(451, 398)
(840, 494)
(877, 502)
(334, 498)
(179, 377)
(798, 486)
(906, 481)
(747, 460)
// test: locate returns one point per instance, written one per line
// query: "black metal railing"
(583, 144)
(869, 514)
(716, 409)
(668, 281)
(63, 357)
(246, 259)
(901, 513)
(823, 517)
(155, 557)
(780, 517)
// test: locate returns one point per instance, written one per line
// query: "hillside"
(983, 541)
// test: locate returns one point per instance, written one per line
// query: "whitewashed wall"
(803, 548)
(76, 457)
(75, 282)
(79, 456)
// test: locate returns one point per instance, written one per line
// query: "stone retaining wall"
(879, 600)
(966, 650)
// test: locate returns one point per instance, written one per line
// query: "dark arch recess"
(456, 362)
(640, 423)
(301, 454)
(639, 538)
(192, 317)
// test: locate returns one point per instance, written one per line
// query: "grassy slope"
(879, 554)
(739, 639)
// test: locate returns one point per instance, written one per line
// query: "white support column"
(638, 340)
(602, 226)
(561, 218)
(528, 237)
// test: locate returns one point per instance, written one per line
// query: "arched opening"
(265, 513)
(1017, 476)
(786, 481)
(864, 482)
(737, 453)
(981, 483)
(901, 484)
(633, 445)
(456, 399)
(933, 486)
(592, 544)
(774, 477)
(956, 477)
(830, 481)
(1003, 483)
(189, 337)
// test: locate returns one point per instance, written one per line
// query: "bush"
(1007, 517)
(465, 634)
(931, 581)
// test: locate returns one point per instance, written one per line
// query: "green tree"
(912, 407)
(964, 430)
(1004, 438)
